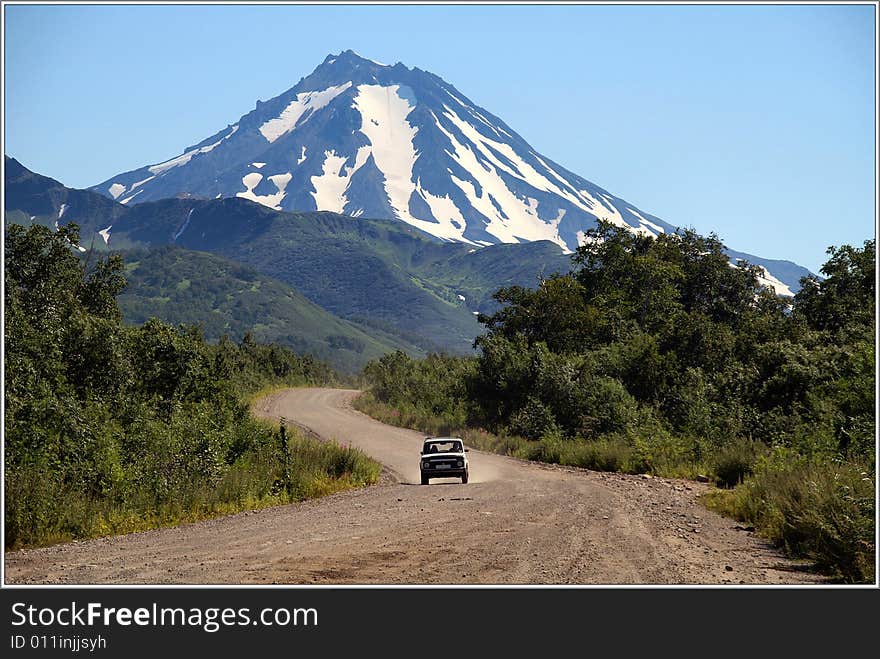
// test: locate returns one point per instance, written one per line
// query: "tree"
(846, 295)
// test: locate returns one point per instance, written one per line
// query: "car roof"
(442, 439)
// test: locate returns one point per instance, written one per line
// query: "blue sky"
(753, 121)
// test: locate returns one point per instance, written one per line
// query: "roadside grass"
(252, 398)
(817, 508)
(259, 477)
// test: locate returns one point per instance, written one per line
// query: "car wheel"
(464, 479)
(425, 480)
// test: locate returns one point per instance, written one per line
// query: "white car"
(443, 457)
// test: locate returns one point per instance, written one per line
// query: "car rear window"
(442, 447)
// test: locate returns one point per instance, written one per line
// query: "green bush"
(533, 421)
(734, 461)
(611, 454)
(822, 510)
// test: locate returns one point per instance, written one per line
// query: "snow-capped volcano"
(366, 139)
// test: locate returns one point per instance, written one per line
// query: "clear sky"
(753, 121)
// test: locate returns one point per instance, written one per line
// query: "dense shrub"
(734, 461)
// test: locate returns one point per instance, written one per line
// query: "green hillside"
(379, 273)
(226, 298)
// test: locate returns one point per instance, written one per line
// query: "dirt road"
(514, 523)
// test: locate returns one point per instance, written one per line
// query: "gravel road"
(516, 522)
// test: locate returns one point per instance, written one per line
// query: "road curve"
(514, 523)
(328, 413)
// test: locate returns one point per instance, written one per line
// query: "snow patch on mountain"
(128, 199)
(146, 180)
(603, 210)
(105, 234)
(511, 219)
(330, 186)
(61, 211)
(498, 130)
(183, 159)
(305, 102)
(555, 174)
(772, 282)
(253, 179)
(583, 238)
(656, 229)
(369, 60)
(451, 224)
(497, 153)
(185, 225)
(250, 181)
(116, 189)
(281, 181)
(302, 157)
(473, 112)
(765, 278)
(258, 165)
(383, 113)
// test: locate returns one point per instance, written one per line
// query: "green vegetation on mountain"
(658, 356)
(110, 429)
(357, 269)
(379, 274)
(225, 298)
